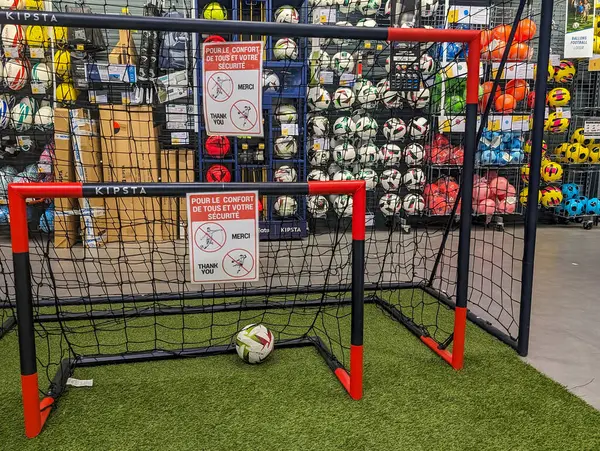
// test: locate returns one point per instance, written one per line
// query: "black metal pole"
(531, 213)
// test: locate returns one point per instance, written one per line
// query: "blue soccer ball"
(451, 49)
(592, 207)
(47, 220)
(488, 157)
(502, 158)
(583, 200)
(570, 191)
(573, 207)
(3, 215)
(560, 209)
(517, 156)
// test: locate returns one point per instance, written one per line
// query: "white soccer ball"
(391, 99)
(287, 14)
(367, 154)
(366, 128)
(414, 179)
(413, 204)
(254, 343)
(41, 73)
(342, 62)
(22, 116)
(12, 36)
(346, 6)
(333, 169)
(428, 7)
(341, 41)
(427, 64)
(368, 23)
(318, 99)
(317, 206)
(15, 74)
(319, 158)
(285, 49)
(575, 25)
(394, 129)
(360, 84)
(368, 7)
(344, 154)
(270, 81)
(285, 206)
(343, 98)
(319, 58)
(368, 97)
(418, 127)
(286, 174)
(317, 175)
(419, 99)
(369, 176)
(318, 126)
(342, 175)
(388, 8)
(44, 118)
(344, 126)
(342, 205)
(414, 154)
(286, 147)
(390, 179)
(286, 114)
(320, 2)
(4, 114)
(390, 204)
(390, 154)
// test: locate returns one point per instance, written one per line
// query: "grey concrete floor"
(565, 323)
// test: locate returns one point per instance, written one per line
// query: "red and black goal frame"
(36, 412)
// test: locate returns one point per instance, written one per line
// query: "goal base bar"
(7, 326)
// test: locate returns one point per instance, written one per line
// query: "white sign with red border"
(232, 87)
(223, 237)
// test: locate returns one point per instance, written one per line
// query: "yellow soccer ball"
(576, 153)
(559, 97)
(552, 172)
(579, 137)
(560, 152)
(565, 72)
(551, 196)
(66, 93)
(556, 123)
(60, 36)
(62, 64)
(37, 36)
(594, 154)
(214, 11)
(524, 193)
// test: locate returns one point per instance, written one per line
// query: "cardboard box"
(66, 219)
(130, 154)
(87, 158)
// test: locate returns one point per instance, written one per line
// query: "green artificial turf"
(412, 399)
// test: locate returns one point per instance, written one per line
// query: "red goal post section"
(36, 412)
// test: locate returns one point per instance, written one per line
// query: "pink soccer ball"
(481, 191)
(507, 205)
(499, 187)
(486, 207)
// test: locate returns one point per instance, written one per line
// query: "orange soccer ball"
(525, 30)
(505, 103)
(501, 32)
(519, 52)
(498, 51)
(485, 38)
(517, 88)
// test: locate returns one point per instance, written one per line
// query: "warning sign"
(223, 237)
(232, 83)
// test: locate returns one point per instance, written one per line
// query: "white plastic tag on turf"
(80, 382)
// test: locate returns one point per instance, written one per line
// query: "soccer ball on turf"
(343, 98)
(390, 179)
(575, 25)
(285, 206)
(317, 206)
(318, 99)
(394, 129)
(254, 343)
(343, 205)
(390, 204)
(285, 49)
(318, 126)
(286, 174)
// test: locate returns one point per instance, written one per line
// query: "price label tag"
(261, 146)
(289, 129)
(370, 219)
(324, 15)
(379, 47)
(244, 146)
(25, 142)
(591, 129)
(36, 52)
(180, 138)
(11, 52)
(319, 144)
(38, 87)
(326, 77)
(347, 79)
(554, 59)
(367, 44)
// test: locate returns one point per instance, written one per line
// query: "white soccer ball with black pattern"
(344, 126)
(254, 343)
(285, 49)
(337, 140)
(360, 84)
(427, 64)
(317, 175)
(394, 129)
(368, 23)
(286, 147)
(392, 99)
(343, 98)
(413, 204)
(342, 62)
(317, 206)
(271, 82)
(319, 157)
(285, 206)
(419, 99)
(342, 205)
(390, 154)
(286, 174)
(414, 154)
(344, 154)
(418, 127)
(320, 2)
(319, 58)
(368, 97)
(414, 179)
(368, 7)
(318, 126)
(388, 7)
(366, 128)
(342, 175)
(390, 204)
(367, 154)
(390, 179)
(346, 6)
(287, 14)
(382, 86)
(318, 99)
(428, 7)
(333, 169)
(369, 176)
(44, 118)
(286, 114)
